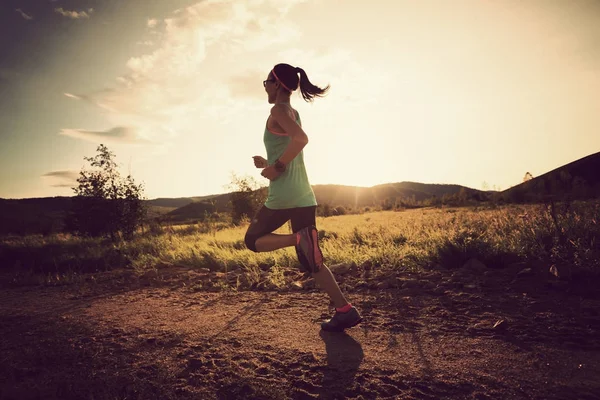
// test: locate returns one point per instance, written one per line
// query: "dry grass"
(410, 239)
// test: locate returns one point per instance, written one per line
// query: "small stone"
(500, 325)
(297, 285)
(560, 271)
(525, 272)
(340, 269)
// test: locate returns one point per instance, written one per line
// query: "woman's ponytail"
(288, 77)
(308, 90)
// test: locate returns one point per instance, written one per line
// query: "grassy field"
(390, 240)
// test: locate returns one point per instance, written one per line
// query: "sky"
(475, 93)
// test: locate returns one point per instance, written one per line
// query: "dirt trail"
(426, 341)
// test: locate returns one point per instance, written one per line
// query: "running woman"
(290, 194)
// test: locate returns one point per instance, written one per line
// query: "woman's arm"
(299, 140)
(289, 125)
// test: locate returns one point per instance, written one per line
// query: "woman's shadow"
(344, 356)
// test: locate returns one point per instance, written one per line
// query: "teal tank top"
(292, 188)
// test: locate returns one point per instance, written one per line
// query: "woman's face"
(271, 85)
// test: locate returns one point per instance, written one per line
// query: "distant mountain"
(171, 202)
(578, 179)
(354, 196)
(333, 195)
(37, 215)
(176, 202)
(197, 209)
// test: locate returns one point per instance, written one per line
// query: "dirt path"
(424, 341)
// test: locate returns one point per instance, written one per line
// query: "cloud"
(63, 174)
(118, 135)
(74, 14)
(175, 73)
(73, 96)
(174, 84)
(89, 99)
(24, 15)
(248, 85)
(62, 179)
(152, 23)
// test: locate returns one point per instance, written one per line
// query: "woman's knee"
(250, 240)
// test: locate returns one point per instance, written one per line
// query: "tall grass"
(411, 239)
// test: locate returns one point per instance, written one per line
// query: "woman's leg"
(274, 241)
(259, 237)
(304, 217)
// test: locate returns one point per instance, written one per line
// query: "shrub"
(106, 204)
(246, 198)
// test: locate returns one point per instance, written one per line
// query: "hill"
(370, 196)
(176, 202)
(579, 179)
(43, 215)
(335, 196)
(35, 215)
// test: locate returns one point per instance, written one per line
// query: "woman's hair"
(288, 77)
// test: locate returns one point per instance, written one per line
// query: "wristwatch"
(279, 166)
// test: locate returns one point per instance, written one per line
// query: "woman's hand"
(260, 162)
(270, 173)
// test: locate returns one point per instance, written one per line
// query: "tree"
(463, 196)
(105, 203)
(246, 197)
(324, 210)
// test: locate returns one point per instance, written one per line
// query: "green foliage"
(463, 244)
(340, 210)
(324, 210)
(565, 233)
(574, 235)
(105, 203)
(246, 198)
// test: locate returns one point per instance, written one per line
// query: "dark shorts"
(267, 220)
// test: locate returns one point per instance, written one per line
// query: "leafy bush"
(246, 198)
(106, 204)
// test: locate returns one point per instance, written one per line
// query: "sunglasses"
(268, 80)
